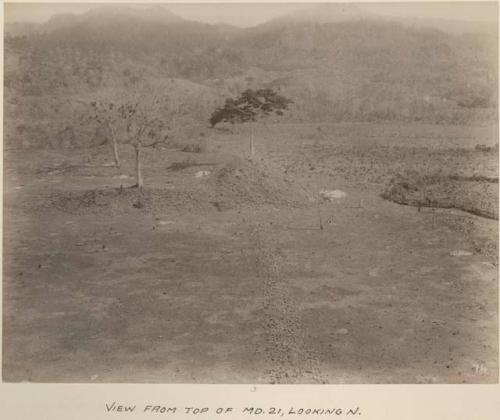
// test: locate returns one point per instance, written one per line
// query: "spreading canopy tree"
(249, 106)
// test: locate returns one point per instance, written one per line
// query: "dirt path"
(288, 357)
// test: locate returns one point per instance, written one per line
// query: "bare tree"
(106, 114)
(137, 117)
(143, 125)
(143, 130)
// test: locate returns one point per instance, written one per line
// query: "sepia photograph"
(250, 193)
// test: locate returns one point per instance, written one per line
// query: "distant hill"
(336, 62)
(325, 13)
(96, 17)
(15, 29)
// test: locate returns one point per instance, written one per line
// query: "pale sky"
(249, 14)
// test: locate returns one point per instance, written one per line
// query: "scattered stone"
(201, 174)
(330, 195)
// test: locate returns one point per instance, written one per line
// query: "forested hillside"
(359, 69)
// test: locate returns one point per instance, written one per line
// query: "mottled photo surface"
(251, 193)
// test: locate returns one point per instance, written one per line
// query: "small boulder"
(330, 195)
(166, 222)
(460, 253)
(201, 174)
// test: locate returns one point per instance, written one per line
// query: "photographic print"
(250, 193)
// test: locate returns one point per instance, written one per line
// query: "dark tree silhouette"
(248, 107)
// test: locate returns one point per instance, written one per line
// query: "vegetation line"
(475, 211)
(477, 178)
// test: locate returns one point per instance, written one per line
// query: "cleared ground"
(229, 278)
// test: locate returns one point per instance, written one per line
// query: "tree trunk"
(319, 216)
(251, 140)
(115, 153)
(138, 170)
(115, 147)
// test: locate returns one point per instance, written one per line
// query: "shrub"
(485, 149)
(179, 166)
(193, 148)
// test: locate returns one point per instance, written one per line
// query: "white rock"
(331, 195)
(460, 253)
(166, 222)
(343, 331)
(201, 174)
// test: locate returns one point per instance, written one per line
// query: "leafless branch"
(155, 143)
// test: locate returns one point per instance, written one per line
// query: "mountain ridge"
(316, 13)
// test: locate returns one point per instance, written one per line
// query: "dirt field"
(228, 278)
